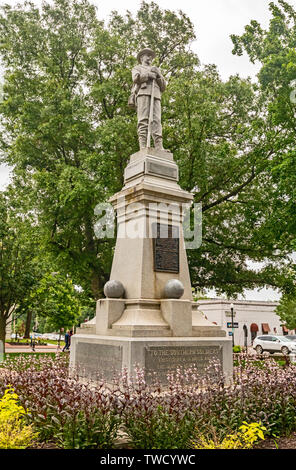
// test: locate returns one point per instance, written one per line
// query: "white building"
(250, 318)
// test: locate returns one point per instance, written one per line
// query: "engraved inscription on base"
(164, 359)
(98, 359)
(162, 170)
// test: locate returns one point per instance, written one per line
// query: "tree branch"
(232, 193)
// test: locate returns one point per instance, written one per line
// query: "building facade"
(250, 317)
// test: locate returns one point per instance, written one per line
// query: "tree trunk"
(2, 332)
(28, 325)
(96, 286)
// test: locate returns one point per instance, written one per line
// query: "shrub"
(159, 429)
(245, 438)
(82, 415)
(162, 417)
(64, 410)
(265, 394)
(14, 433)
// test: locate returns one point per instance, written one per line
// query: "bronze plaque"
(166, 247)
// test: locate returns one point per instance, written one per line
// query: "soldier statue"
(148, 85)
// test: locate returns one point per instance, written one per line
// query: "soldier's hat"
(147, 50)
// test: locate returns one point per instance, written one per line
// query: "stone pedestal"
(106, 356)
(145, 327)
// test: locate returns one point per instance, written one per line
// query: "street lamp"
(231, 309)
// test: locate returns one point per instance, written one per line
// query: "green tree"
(223, 144)
(68, 133)
(286, 310)
(18, 265)
(274, 49)
(67, 82)
(56, 299)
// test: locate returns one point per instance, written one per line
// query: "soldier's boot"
(158, 143)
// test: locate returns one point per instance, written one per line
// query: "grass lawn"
(28, 342)
(11, 355)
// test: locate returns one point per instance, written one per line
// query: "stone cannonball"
(173, 289)
(113, 289)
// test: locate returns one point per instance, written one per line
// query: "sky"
(214, 21)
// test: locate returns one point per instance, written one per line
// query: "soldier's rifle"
(150, 122)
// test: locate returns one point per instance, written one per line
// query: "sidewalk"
(9, 348)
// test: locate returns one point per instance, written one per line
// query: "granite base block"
(96, 356)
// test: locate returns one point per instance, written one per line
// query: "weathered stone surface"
(114, 289)
(95, 354)
(162, 169)
(178, 314)
(108, 311)
(165, 359)
(174, 289)
(141, 317)
(133, 261)
(96, 359)
(151, 152)
(148, 85)
(151, 327)
(145, 164)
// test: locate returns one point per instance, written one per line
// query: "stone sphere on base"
(113, 289)
(173, 289)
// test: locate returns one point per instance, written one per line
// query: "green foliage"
(81, 431)
(56, 299)
(74, 414)
(160, 429)
(68, 132)
(286, 310)
(74, 131)
(18, 259)
(245, 438)
(274, 48)
(14, 433)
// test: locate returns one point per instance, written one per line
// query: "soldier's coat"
(144, 84)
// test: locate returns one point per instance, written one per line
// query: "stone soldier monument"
(148, 317)
(148, 85)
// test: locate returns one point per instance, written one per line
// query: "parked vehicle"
(14, 336)
(274, 343)
(53, 336)
(291, 337)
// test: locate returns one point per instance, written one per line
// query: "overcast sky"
(214, 21)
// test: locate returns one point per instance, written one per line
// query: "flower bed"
(71, 414)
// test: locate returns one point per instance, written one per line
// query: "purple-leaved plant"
(81, 414)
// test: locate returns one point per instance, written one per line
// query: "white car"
(274, 343)
(53, 336)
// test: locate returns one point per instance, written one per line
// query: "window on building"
(285, 330)
(265, 328)
(254, 330)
